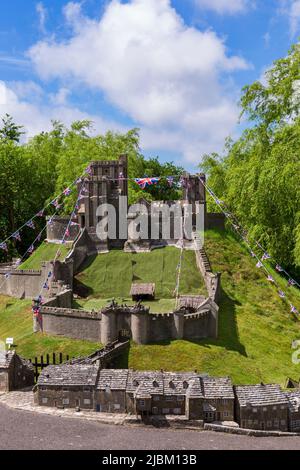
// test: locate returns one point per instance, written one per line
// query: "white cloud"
(164, 75)
(294, 16)
(42, 15)
(230, 7)
(24, 101)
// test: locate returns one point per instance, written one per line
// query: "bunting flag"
(85, 190)
(3, 246)
(67, 233)
(17, 236)
(41, 213)
(30, 249)
(291, 282)
(293, 309)
(45, 286)
(39, 237)
(7, 275)
(252, 254)
(73, 224)
(145, 182)
(270, 278)
(265, 256)
(278, 268)
(259, 264)
(49, 274)
(281, 294)
(67, 192)
(30, 224)
(170, 181)
(78, 181)
(81, 196)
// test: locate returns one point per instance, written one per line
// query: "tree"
(10, 130)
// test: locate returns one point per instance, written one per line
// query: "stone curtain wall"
(105, 327)
(23, 284)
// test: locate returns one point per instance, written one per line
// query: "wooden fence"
(39, 363)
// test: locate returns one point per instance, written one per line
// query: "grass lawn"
(45, 252)
(256, 328)
(156, 306)
(111, 275)
(16, 322)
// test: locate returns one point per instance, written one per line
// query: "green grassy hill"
(45, 252)
(111, 275)
(256, 329)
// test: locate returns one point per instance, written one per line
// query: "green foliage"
(33, 173)
(259, 175)
(10, 130)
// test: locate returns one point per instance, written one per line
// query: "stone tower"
(106, 182)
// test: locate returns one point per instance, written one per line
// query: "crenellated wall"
(144, 327)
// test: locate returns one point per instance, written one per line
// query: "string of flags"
(265, 257)
(46, 284)
(55, 203)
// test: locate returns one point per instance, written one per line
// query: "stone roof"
(294, 400)
(260, 395)
(178, 383)
(115, 379)
(5, 359)
(69, 374)
(144, 384)
(217, 388)
(142, 289)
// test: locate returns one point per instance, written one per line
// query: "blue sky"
(173, 68)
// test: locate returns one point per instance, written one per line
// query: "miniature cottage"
(263, 407)
(15, 372)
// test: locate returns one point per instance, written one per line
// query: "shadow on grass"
(228, 336)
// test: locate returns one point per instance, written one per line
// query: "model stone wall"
(77, 324)
(106, 326)
(56, 230)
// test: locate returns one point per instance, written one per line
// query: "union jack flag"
(30, 224)
(144, 182)
(170, 181)
(17, 236)
(293, 309)
(67, 192)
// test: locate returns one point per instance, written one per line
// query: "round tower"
(139, 326)
(179, 324)
(108, 326)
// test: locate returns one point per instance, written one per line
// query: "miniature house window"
(155, 383)
(44, 401)
(107, 389)
(185, 384)
(86, 401)
(156, 397)
(254, 410)
(66, 401)
(117, 406)
(171, 384)
(142, 402)
(169, 398)
(135, 383)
